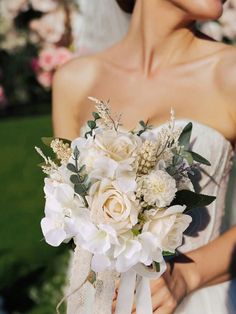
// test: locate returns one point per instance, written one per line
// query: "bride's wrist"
(190, 272)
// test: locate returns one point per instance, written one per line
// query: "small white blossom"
(157, 188)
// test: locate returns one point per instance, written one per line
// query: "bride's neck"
(159, 34)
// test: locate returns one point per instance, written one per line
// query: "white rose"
(117, 145)
(89, 153)
(157, 188)
(110, 206)
(168, 225)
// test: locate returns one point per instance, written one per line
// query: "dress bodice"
(213, 180)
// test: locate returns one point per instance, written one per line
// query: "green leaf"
(188, 156)
(142, 123)
(72, 168)
(74, 179)
(199, 158)
(177, 160)
(80, 189)
(82, 168)
(91, 124)
(96, 115)
(157, 266)
(192, 199)
(84, 178)
(135, 232)
(166, 253)
(171, 170)
(76, 152)
(185, 136)
(47, 140)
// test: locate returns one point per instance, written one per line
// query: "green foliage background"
(32, 274)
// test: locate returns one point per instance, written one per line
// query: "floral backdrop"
(37, 37)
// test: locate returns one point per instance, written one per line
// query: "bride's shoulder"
(80, 71)
(226, 69)
(225, 77)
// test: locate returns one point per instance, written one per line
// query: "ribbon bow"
(137, 281)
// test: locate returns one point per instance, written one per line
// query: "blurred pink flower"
(35, 64)
(62, 56)
(45, 79)
(50, 27)
(16, 6)
(3, 100)
(44, 5)
(47, 59)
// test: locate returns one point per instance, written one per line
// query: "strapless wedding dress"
(206, 226)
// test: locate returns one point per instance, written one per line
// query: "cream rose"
(168, 225)
(110, 206)
(117, 145)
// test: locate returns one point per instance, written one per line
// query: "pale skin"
(161, 63)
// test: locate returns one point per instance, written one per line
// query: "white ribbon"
(138, 277)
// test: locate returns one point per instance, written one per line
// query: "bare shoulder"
(226, 70)
(71, 87)
(76, 77)
(226, 78)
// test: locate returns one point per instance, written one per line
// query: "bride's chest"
(192, 94)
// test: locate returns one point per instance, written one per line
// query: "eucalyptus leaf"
(80, 189)
(91, 124)
(96, 115)
(199, 158)
(185, 135)
(74, 179)
(82, 168)
(72, 168)
(142, 123)
(76, 152)
(192, 199)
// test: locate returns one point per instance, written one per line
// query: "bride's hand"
(169, 290)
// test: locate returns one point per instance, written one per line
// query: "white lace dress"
(206, 226)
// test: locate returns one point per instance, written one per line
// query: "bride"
(164, 61)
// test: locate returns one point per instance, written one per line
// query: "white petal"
(53, 235)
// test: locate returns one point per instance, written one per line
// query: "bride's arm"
(210, 264)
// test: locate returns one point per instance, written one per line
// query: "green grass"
(25, 257)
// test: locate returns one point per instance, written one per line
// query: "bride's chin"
(201, 9)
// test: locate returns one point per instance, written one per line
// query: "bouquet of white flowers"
(124, 196)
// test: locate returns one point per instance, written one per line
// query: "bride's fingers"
(162, 299)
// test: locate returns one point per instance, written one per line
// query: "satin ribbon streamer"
(138, 277)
